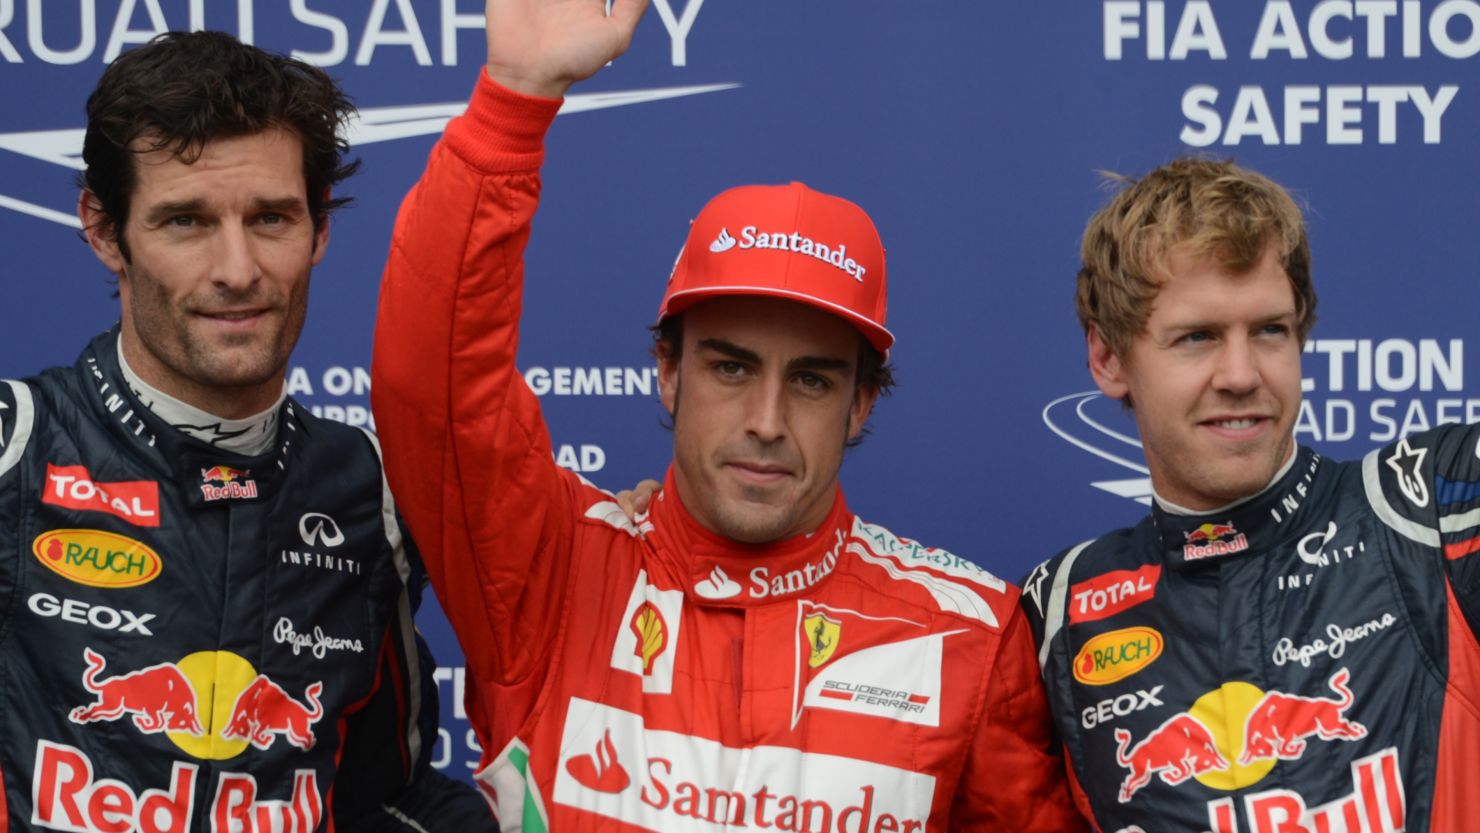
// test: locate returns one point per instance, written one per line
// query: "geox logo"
(751, 238)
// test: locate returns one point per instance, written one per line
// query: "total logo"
(1276, 726)
(613, 766)
(1114, 592)
(1207, 541)
(235, 484)
(752, 238)
(67, 795)
(73, 487)
(250, 708)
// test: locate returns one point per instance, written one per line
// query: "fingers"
(626, 13)
(636, 500)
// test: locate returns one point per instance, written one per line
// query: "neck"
(249, 435)
(225, 402)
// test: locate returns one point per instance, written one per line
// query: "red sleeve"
(1014, 776)
(466, 449)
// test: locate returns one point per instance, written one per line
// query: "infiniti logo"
(318, 527)
(1311, 545)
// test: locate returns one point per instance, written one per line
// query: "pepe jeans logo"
(317, 643)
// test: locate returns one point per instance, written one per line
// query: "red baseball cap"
(785, 241)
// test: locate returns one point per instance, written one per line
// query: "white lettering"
(451, 22)
(97, 616)
(376, 35)
(336, 53)
(87, 39)
(122, 34)
(318, 643)
(1334, 645)
(678, 28)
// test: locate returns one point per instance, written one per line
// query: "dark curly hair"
(184, 89)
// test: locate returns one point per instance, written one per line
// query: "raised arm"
(466, 449)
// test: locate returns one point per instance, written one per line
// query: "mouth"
(234, 319)
(1238, 427)
(758, 474)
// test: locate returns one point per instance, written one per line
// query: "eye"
(181, 221)
(1195, 337)
(729, 369)
(1276, 329)
(271, 219)
(813, 382)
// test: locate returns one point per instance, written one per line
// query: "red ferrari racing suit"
(654, 676)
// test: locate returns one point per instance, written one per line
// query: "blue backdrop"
(972, 132)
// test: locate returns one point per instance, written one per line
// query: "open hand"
(541, 47)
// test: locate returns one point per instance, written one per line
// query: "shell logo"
(97, 558)
(1113, 656)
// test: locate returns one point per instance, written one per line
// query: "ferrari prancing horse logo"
(821, 633)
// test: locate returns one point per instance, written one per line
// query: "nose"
(1238, 367)
(765, 417)
(233, 259)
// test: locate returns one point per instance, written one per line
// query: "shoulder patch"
(953, 582)
(1396, 481)
(17, 415)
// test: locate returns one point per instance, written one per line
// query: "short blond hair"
(1210, 207)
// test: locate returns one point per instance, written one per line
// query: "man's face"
(215, 293)
(768, 402)
(1214, 379)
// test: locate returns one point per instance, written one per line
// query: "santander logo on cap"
(788, 242)
(752, 238)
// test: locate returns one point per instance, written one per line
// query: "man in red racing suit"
(657, 674)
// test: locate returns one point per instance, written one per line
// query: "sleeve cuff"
(502, 131)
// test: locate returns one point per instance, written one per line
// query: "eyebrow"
(739, 353)
(162, 211)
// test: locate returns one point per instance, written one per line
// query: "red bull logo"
(264, 710)
(1375, 805)
(1280, 724)
(1205, 742)
(159, 698)
(167, 698)
(1176, 750)
(234, 484)
(224, 474)
(69, 796)
(1113, 656)
(1207, 541)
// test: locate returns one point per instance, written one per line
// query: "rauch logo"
(1116, 655)
(97, 558)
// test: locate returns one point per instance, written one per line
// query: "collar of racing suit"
(728, 573)
(1244, 527)
(213, 477)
